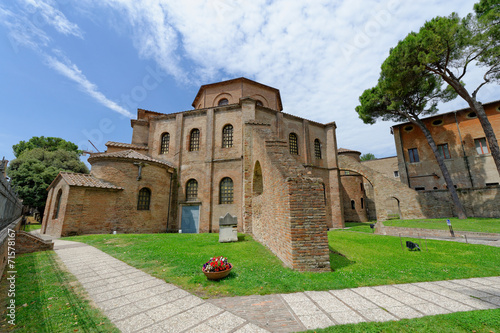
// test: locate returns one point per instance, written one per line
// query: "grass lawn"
(478, 224)
(357, 259)
(48, 299)
(359, 226)
(483, 321)
(31, 227)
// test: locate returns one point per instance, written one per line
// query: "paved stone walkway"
(137, 302)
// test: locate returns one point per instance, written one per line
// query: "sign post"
(451, 228)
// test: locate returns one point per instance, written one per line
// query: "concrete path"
(137, 302)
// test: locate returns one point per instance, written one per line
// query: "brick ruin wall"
(289, 216)
(478, 202)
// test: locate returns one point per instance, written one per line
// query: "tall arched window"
(227, 136)
(223, 101)
(258, 182)
(58, 204)
(294, 145)
(226, 191)
(194, 140)
(317, 149)
(144, 199)
(191, 190)
(353, 204)
(165, 142)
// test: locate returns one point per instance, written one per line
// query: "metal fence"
(10, 205)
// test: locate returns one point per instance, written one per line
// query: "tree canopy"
(35, 168)
(446, 48)
(367, 157)
(48, 144)
(405, 93)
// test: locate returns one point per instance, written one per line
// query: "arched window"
(258, 184)
(226, 191)
(362, 203)
(317, 149)
(58, 204)
(192, 190)
(144, 199)
(294, 146)
(223, 101)
(165, 142)
(259, 103)
(353, 204)
(227, 136)
(194, 140)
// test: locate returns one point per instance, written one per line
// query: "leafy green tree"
(48, 144)
(406, 95)
(367, 157)
(446, 47)
(34, 169)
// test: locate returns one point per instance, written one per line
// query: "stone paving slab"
(137, 302)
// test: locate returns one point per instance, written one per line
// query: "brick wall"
(458, 130)
(391, 197)
(289, 216)
(87, 210)
(478, 202)
(27, 243)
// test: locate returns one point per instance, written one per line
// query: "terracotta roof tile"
(344, 150)
(85, 180)
(125, 145)
(128, 154)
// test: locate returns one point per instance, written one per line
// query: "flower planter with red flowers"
(217, 268)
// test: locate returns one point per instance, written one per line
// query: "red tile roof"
(128, 154)
(125, 145)
(85, 180)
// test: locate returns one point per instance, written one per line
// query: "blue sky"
(79, 69)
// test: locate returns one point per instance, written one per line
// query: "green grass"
(357, 259)
(483, 321)
(477, 224)
(359, 226)
(49, 299)
(31, 227)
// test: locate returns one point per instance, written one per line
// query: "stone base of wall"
(478, 202)
(28, 243)
(381, 229)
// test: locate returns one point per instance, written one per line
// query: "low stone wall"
(4, 243)
(28, 243)
(10, 206)
(478, 202)
(381, 229)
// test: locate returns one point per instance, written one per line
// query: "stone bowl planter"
(217, 275)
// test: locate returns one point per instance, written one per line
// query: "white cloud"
(27, 28)
(321, 54)
(50, 15)
(72, 72)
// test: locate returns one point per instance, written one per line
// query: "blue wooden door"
(190, 219)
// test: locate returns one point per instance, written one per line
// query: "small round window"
(437, 122)
(498, 108)
(259, 103)
(471, 115)
(223, 101)
(408, 128)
